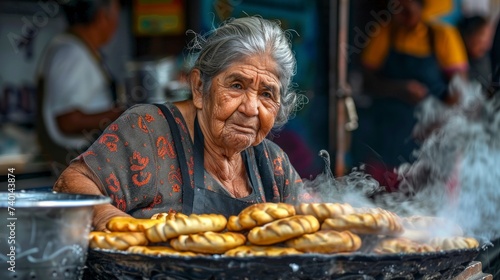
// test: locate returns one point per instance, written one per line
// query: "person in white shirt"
(77, 92)
(477, 7)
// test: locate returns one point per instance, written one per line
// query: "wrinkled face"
(243, 103)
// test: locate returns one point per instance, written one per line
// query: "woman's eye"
(267, 94)
(237, 85)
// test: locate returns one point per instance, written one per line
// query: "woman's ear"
(196, 88)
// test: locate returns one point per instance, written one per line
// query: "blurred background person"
(495, 60)
(406, 62)
(477, 36)
(77, 92)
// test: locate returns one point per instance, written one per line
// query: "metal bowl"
(44, 235)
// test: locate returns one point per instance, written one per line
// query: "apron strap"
(266, 174)
(187, 188)
(199, 157)
(253, 178)
(431, 38)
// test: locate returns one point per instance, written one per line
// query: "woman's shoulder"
(69, 47)
(151, 110)
(443, 29)
(147, 117)
(66, 53)
(141, 111)
(151, 118)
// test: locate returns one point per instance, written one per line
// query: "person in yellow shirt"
(406, 62)
(449, 11)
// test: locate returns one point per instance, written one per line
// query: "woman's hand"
(79, 179)
(416, 92)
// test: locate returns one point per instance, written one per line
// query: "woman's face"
(410, 15)
(243, 103)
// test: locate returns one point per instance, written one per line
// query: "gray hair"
(238, 38)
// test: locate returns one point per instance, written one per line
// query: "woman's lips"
(245, 129)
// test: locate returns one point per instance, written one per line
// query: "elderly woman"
(205, 155)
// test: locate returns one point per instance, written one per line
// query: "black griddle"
(107, 264)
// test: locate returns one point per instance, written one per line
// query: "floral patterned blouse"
(136, 162)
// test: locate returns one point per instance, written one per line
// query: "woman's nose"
(250, 105)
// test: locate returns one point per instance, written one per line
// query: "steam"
(463, 158)
(356, 188)
(457, 172)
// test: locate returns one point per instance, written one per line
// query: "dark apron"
(198, 199)
(395, 119)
